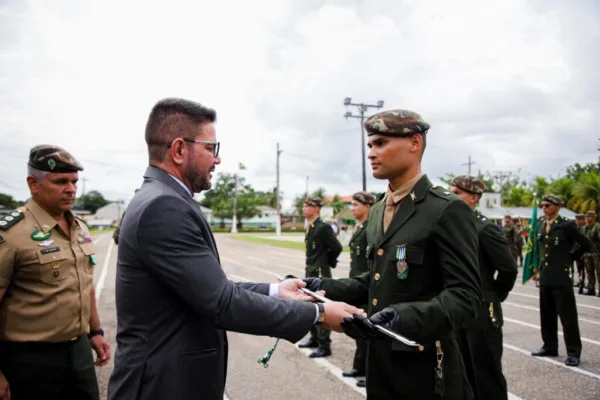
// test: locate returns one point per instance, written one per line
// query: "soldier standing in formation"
(519, 241)
(481, 342)
(580, 263)
(511, 236)
(322, 251)
(560, 242)
(592, 258)
(48, 318)
(423, 280)
(361, 205)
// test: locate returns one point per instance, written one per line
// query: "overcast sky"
(514, 84)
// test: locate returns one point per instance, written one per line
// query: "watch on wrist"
(98, 331)
(321, 313)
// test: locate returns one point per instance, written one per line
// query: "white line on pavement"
(103, 273)
(552, 361)
(536, 297)
(589, 321)
(516, 321)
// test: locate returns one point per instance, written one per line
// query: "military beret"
(363, 197)
(590, 213)
(396, 123)
(580, 216)
(554, 199)
(313, 202)
(51, 158)
(469, 184)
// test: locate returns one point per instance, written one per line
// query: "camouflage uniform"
(511, 235)
(519, 243)
(592, 258)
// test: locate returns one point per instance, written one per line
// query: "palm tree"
(586, 192)
(563, 187)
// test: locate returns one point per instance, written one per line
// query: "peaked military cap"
(396, 123)
(51, 158)
(580, 216)
(554, 199)
(590, 213)
(363, 197)
(313, 202)
(469, 184)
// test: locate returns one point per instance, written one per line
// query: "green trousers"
(50, 371)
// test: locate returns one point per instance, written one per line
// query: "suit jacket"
(558, 250)
(436, 292)
(174, 301)
(322, 247)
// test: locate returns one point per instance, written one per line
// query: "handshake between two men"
(339, 316)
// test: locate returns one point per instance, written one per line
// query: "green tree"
(563, 187)
(336, 204)
(575, 171)
(586, 192)
(91, 201)
(8, 201)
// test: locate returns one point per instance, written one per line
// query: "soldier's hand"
(336, 312)
(388, 318)
(358, 327)
(4, 388)
(102, 349)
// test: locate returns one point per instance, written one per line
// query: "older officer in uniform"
(481, 342)
(557, 238)
(423, 281)
(322, 251)
(48, 318)
(361, 204)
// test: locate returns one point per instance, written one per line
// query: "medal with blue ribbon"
(401, 265)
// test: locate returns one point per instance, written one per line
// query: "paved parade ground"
(291, 374)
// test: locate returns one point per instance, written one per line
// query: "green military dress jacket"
(436, 288)
(358, 251)
(494, 256)
(557, 250)
(322, 247)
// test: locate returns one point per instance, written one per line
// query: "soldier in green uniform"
(322, 251)
(519, 241)
(423, 280)
(511, 236)
(48, 318)
(580, 263)
(592, 257)
(557, 238)
(481, 342)
(361, 204)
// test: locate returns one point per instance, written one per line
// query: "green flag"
(530, 266)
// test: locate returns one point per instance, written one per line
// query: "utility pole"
(306, 186)
(278, 221)
(83, 195)
(362, 108)
(469, 164)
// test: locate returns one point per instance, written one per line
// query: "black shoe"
(320, 352)
(544, 353)
(361, 383)
(591, 293)
(353, 373)
(309, 344)
(572, 361)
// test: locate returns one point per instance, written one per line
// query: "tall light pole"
(362, 108)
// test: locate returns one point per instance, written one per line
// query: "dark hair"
(174, 118)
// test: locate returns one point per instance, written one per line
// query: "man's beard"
(198, 179)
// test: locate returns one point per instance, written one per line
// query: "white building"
(112, 211)
(266, 218)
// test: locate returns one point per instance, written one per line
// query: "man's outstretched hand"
(290, 289)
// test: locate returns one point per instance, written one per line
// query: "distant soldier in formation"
(559, 242)
(361, 204)
(580, 263)
(481, 342)
(511, 236)
(519, 241)
(592, 258)
(322, 251)
(49, 323)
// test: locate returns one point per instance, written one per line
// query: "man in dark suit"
(174, 302)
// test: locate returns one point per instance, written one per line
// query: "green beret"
(363, 197)
(51, 158)
(313, 202)
(469, 184)
(554, 199)
(396, 123)
(580, 216)
(590, 213)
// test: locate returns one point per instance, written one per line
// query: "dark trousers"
(559, 301)
(319, 334)
(50, 371)
(360, 356)
(481, 350)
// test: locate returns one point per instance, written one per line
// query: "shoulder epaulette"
(11, 219)
(79, 217)
(441, 192)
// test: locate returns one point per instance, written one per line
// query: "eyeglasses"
(215, 149)
(546, 205)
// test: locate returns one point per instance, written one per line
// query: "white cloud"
(510, 83)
